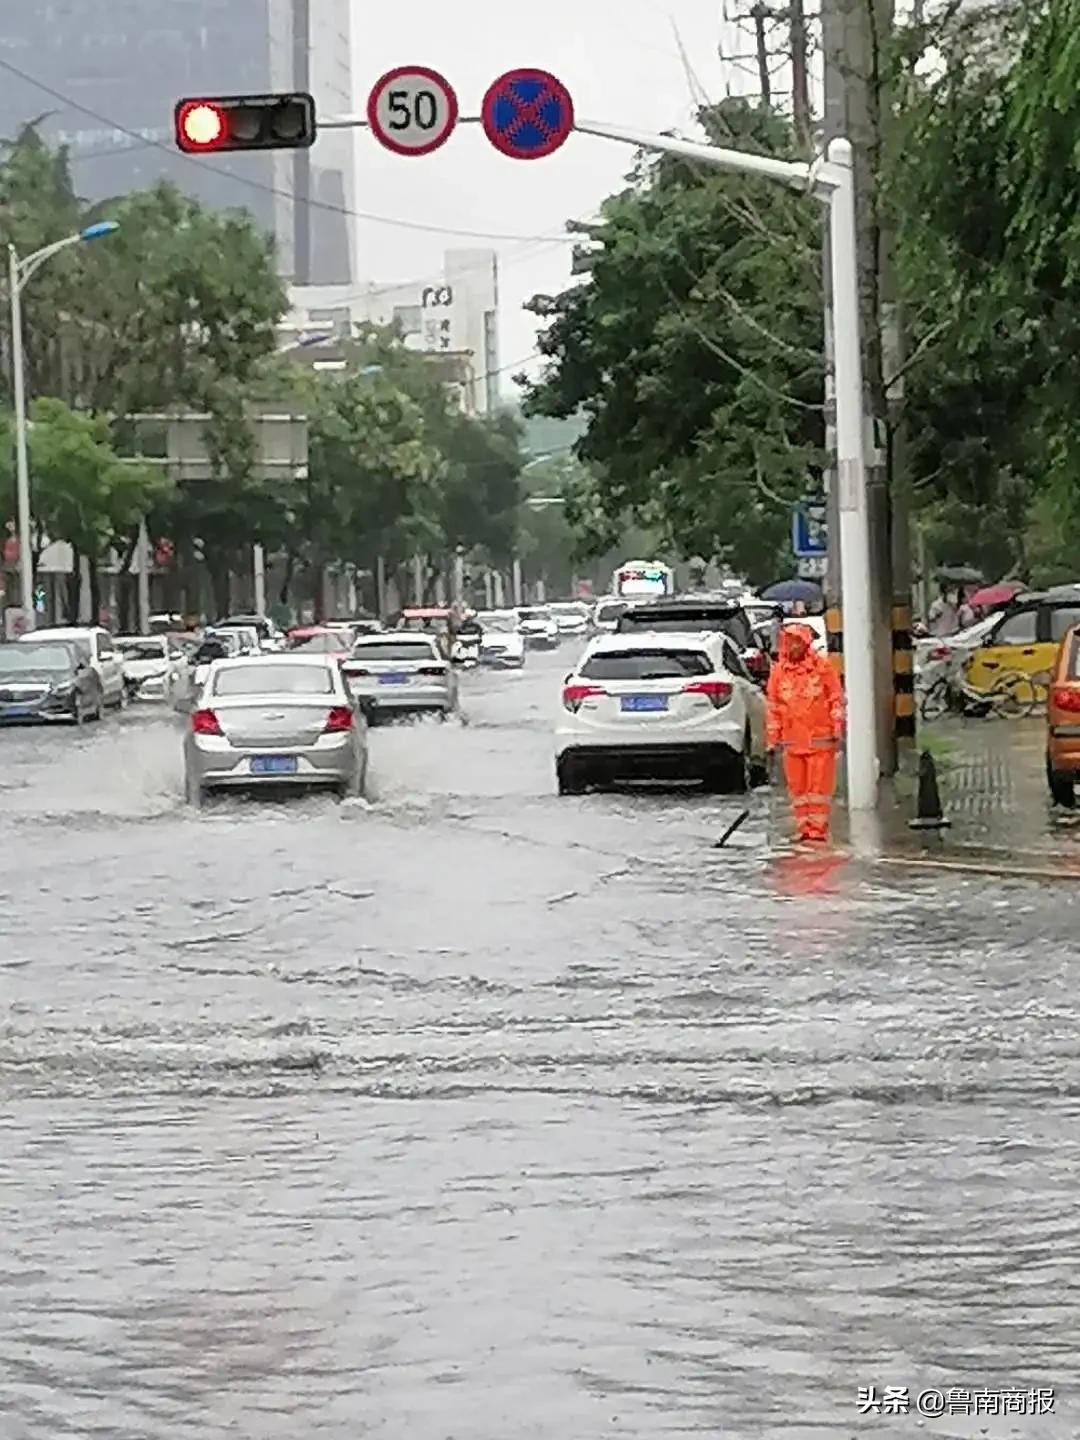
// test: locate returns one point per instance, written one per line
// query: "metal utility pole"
(301, 158)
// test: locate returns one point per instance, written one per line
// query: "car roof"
(61, 632)
(396, 637)
(245, 662)
(676, 607)
(653, 640)
(140, 639)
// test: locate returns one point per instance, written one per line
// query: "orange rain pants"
(811, 780)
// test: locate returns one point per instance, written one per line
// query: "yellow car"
(1025, 640)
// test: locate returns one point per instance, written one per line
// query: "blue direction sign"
(527, 114)
(809, 531)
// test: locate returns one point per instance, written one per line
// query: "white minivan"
(102, 653)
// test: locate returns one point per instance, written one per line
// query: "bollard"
(928, 812)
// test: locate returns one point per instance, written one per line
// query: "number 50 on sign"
(412, 110)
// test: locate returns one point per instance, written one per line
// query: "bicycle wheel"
(1014, 696)
(935, 700)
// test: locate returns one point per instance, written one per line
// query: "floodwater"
(473, 1113)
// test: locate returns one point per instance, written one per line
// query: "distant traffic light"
(245, 122)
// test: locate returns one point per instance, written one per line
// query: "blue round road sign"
(527, 114)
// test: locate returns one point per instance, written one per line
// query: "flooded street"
(470, 1113)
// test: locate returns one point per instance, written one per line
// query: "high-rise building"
(114, 68)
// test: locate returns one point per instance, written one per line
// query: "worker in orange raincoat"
(806, 723)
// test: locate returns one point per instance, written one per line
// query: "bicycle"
(1013, 696)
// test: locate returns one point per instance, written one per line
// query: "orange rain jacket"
(805, 697)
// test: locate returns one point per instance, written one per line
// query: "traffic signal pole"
(829, 179)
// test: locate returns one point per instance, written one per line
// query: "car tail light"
(340, 718)
(757, 662)
(718, 691)
(1065, 697)
(356, 670)
(205, 722)
(573, 695)
(432, 670)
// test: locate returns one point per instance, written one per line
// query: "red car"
(321, 640)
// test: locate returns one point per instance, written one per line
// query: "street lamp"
(19, 272)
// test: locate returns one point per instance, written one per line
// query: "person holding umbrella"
(805, 721)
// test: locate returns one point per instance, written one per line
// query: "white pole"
(380, 587)
(862, 762)
(459, 576)
(258, 560)
(499, 595)
(418, 580)
(26, 554)
(144, 579)
(517, 581)
(489, 589)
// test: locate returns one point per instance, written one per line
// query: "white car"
(98, 647)
(571, 617)
(937, 653)
(155, 667)
(606, 614)
(214, 645)
(661, 706)
(538, 626)
(502, 644)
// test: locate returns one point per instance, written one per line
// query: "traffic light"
(245, 122)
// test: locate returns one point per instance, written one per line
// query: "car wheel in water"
(1062, 786)
(570, 777)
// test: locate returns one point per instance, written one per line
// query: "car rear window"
(319, 644)
(646, 664)
(250, 679)
(690, 622)
(395, 650)
(142, 649)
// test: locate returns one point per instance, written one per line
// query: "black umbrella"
(959, 575)
(787, 592)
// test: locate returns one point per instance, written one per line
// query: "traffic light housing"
(284, 121)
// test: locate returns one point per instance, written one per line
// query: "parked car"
(690, 616)
(655, 706)
(606, 614)
(1025, 637)
(277, 720)
(155, 667)
(214, 645)
(1063, 721)
(97, 647)
(48, 682)
(502, 644)
(401, 672)
(538, 626)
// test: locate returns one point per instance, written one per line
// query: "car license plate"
(274, 764)
(16, 711)
(393, 679)
(644, 702)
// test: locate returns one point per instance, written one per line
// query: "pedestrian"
(965, 614)
(944, 616)
(805, 721)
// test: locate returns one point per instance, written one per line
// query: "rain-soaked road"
(476, 1114)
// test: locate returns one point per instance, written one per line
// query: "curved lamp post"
(19, 272)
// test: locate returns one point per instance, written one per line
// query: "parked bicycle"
(1013, 696)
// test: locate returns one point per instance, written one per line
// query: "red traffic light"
(245, 122)
(200, 125)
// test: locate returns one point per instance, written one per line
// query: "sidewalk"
(992, 780)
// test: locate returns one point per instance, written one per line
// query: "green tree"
(693, 349)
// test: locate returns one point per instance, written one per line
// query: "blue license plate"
(644, 702)
(16, 712)
(274, 765)
(393, 679)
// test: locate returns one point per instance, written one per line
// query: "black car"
(51, 681)
(691, 616)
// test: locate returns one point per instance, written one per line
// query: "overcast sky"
(621, 62)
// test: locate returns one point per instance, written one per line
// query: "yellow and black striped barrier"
(834, 634)
(903, 658)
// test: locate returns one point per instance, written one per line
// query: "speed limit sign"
(412, 110)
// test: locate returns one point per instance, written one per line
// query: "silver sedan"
(401, 673)
(281, 720)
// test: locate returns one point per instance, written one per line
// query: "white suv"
(648, 706)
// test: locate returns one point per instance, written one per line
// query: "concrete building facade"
(454, 314)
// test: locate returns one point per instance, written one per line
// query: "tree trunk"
(218, 570)
(286, 583)
(74, 587)
(95, 593)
